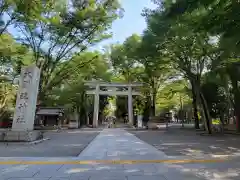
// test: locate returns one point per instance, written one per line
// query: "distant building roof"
(49, 111)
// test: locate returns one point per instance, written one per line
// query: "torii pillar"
(96, 106)
(130, 105)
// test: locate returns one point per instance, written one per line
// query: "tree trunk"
(41, 97)
(181, 110)
(222, 118)
(206, 113)
(236, 94)
(200, 98)
(153, 107)
(82, 110)
(2, 112)
(78, 111)
(195, 109)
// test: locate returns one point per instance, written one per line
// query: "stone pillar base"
(20, 136)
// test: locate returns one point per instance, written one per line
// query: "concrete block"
(20, 136)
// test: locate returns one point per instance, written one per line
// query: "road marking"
(168, 161)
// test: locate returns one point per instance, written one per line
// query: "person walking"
(110, 122)
(125, 118)
(114, 121)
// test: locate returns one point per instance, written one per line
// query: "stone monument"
(24, 116)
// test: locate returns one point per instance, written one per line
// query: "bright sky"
(132, 21)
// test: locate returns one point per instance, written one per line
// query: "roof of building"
(49, 111)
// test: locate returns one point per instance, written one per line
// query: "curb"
(38, 141)
(233, 133)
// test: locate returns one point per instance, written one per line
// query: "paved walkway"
(117, 144)
(110, 144)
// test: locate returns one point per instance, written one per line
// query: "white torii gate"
(97, 84)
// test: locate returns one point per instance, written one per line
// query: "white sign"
(26, 99)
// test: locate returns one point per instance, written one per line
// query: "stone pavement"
(66, 143)
(117, 144)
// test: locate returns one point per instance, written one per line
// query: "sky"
(132, 21)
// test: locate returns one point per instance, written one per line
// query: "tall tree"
(71, 93)
(186, 50)
(175, 95)
(58, 31)
(12, 54)
(155, 71)
(123, 57)
(221, 19)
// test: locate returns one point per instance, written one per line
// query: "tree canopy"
(187, 57)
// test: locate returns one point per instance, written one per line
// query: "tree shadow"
(188, 143)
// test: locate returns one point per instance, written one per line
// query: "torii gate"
(129, 92)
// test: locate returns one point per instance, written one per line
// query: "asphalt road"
(176, 142)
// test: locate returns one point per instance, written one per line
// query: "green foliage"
(189, 51)
(70, 84)
(11, 55)
(123, 57)
(215, 95)
(55, 33)
(220, 20)
(135, 61)
(173, 95)
(7, 96)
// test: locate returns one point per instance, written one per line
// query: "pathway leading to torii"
(113, 155)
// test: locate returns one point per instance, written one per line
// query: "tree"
(10, 9)
(155, 71)
(220, 19)
(11, 55)
(174, 95)
(7, 95)
(123, 57)
(71, 93)
(136, 61)
(58, 32)
(215, 96)
(187, 51)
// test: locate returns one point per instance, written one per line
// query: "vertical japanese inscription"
(23, 97)
(27, 79)
(26, 99)
(21, 109)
